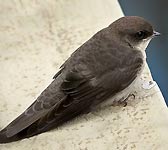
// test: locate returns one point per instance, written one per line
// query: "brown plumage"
(102, 67)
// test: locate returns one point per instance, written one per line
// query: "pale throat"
(143, 44)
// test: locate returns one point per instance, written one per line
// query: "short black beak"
(156, 33)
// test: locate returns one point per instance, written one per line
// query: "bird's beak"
(156, 34)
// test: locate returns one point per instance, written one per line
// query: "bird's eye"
(141, 35)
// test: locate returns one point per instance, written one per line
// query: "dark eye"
(141, 35)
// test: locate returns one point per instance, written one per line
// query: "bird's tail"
(27, 124)
(21, 135)
(29, 131)
(5, 139)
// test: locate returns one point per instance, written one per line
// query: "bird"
(100, 72)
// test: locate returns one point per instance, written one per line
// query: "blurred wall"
(155, 11)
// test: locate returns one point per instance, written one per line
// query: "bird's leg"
(131, 95)
(124, 102)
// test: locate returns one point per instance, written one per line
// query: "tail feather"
(5, 139)
(44, 124)
(25, 133)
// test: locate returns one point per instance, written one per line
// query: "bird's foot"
(130, 95)
(124, 102)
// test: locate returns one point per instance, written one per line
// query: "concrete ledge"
(35, 38)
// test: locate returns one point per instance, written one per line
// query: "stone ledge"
(36, 37)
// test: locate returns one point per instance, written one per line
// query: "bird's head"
(133, 31)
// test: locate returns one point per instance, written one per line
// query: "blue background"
(156, 12)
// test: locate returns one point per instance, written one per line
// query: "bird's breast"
(122, 95)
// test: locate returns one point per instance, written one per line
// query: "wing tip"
(5, 139)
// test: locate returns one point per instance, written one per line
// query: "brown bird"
(100, 72)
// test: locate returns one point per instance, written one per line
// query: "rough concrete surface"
(36, 37)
